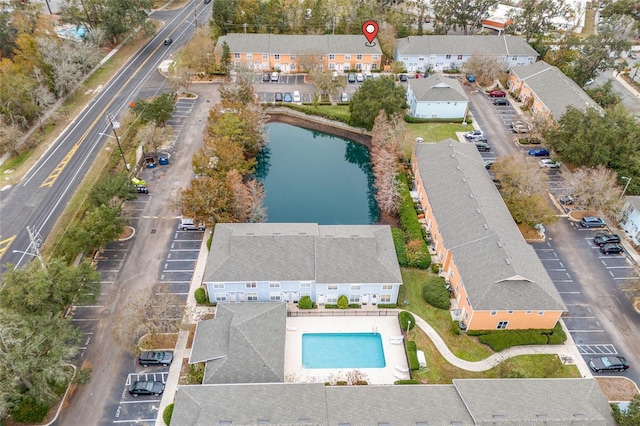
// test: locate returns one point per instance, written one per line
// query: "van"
(296, 96)
(188, 224)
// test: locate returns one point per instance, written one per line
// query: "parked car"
(188, 224)
(474, 134)
(402, 77)
(344, 97)
(296, 96)
(589, 82)
(351, 78)
(549, 163)
(278, 97)
(168, 41)
(500, 101)
(275, 76)
(287, 97)
(471, 78)
(602, 239)
(266, 77)
(483, 147)
(359, 78)
(155, 358)
(608, 363)
(592, 222)
(520, 126)
(566, 200)
(611, 248)
(146, 388)
(142, 189)
(488, 164)
(367, 74)
(497, 94)
(539, 152)
(632, 55)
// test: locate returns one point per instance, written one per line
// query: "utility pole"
(114, 125)
(33, 249)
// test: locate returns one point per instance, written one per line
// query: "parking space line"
(180, 260)
(85, 319)
(568, 292)
(557, 270)
(619, 267)
(562, 281)
(587, 331)
(177, 270)
(579, 317)
(625, 278)
(175, 282)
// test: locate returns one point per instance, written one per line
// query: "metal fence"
(343, 313)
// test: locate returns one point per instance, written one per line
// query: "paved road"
(43, 193)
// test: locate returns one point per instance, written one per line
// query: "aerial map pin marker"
(370, 30)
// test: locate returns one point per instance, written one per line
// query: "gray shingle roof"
(466, 402)
(298, 44)
(535, 401)
(634, 200)
(464, 45)
(302, 251)
(555, 90)
(473, 219)
(438, 88)
(244, 343)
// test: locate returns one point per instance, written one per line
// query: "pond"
(315, 177)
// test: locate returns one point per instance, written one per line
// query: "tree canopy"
(375, 95)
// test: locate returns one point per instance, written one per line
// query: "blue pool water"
(342, 350)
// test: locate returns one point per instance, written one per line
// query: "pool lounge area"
(386, 326)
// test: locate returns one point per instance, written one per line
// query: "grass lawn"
(338, 110)
(434, 132)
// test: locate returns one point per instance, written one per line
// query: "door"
(364, 299)
(321, 299)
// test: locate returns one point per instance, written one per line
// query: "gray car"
(592, 222)
(148, 358)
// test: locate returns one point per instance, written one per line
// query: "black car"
(146, 388)
(483, 147)
(266, 77)
(500, 101)
(155, 358)
(592, 222)
(168, 41)
(488, 164)
(402, 77)
(610, 248)
(278, 97)
(608, 363)
(601, 239)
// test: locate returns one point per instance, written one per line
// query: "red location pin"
(370, 30)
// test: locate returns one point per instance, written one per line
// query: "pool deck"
(388, 328)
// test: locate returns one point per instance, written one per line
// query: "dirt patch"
(126, 234)
(529, 233)
(159, 341)
(387, 219)
(192, 332)
(579, 214)
(617, 388)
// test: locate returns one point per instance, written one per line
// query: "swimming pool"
(342, 350)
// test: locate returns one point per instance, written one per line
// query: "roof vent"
(354, 236)
(507, 261)
(302, 233)
(464, 180)
(450, 146)
(500, 244)
(276, 233)
(470, 195)
(478, 211)
(485, 226)
(542, 416)
(250, 233)
(457, 167)
(453, 155)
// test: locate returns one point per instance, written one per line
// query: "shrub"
(399, 244)
(305, 303)
(412, 355)
(501, 341)
(456, 327)
(362, 383)
(167, 413)
(410, 119)
(330, 306)
(341, 383)
(354, 306)
(343, 302)
(387, 306)
(201, 296)
(30, 410)
(195, 375)
(404, 317)
(310, 110)
(406, 382)
(435, 268)
(557, 336)
(436, 294)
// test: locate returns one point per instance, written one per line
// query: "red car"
(497, 94)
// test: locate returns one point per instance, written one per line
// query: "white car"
(549, 163)
(344, 97)
(275, 76)
(359, 78)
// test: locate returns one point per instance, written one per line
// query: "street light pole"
(115, 125)
(628, 179)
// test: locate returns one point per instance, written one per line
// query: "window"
(459, 57)
(515, 58)
(306, 284)
(221, 297)
(293, 66)
(320, 57)
(387, 286)
(385, 298)
(374, 66)
(218, 285)
(252, 297)
(502, 325)
(448, 57)
(510, 312)
(251, 285)
(265, 56)
(347, 56)
(356, 287)
(274, 297)
(358, 56)
(467, 300)
(540, 313)
(236, 55)
(332, 287)
(332, 66)
(276, 57)
(332, 298)
(249, 55)
(529, 312)
(237, 65)
(305, 293)
(374, 57)
(420, 59)
(293, 57)
(274, 285)
(494, 313)
(332, 56)
(354, 298)
(358, 66)
(451, 273)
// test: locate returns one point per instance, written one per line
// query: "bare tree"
(597, 189)
(486, 68)
(10, 135)
(153, 137)
(255, 193)
(385, 155)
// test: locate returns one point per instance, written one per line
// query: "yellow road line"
(56, 172)
(4, 245)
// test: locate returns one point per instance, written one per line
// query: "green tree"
(460, 14)
(158, 110)
(630, 416)
(111, 189)
(604, 95)
(375, 95)
(104, 225)
(225, 58)
(535, 17)
(50, 293)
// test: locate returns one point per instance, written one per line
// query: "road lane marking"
(5, 244)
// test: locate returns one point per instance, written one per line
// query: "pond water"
(315, 177)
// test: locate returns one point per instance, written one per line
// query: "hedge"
(414, 232)
(310, 110)
(167, 413)
(201, 296)
(30, 410)
(404, 317)
(399, 244)
(387, 306)
(436, 294)
(500, 340)
(412, 355)
(410, 119)
(406, 382)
